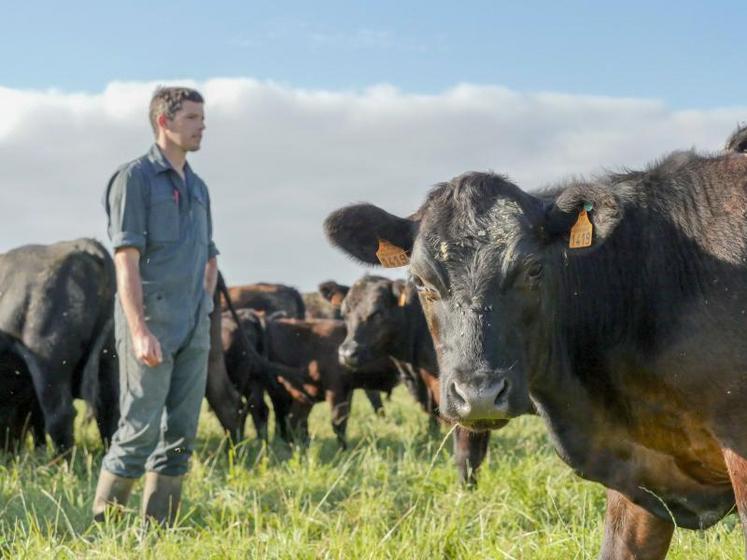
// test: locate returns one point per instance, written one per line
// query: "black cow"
(384, 319)
(58, 301)
(632, 349)
(327, 305)
(225, 400)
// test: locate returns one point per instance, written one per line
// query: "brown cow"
(311, 346)
(268, 298)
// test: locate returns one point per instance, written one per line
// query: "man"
(161, 231)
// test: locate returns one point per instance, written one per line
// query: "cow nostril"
(456, 395)
(502, 391)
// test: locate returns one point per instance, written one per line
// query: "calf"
(229, 401)
(326, 305)
(384, 318)
(311, 346)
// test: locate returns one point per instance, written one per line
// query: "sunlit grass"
(393, 494)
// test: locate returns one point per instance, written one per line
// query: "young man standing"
(161, 231)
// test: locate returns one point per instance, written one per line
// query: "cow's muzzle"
(479, 403)
(352, 355)
(478, 400)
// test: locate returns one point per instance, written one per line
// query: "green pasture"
(393, 494)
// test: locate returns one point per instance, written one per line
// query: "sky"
(311, 106)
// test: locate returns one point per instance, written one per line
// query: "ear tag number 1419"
(583, 230)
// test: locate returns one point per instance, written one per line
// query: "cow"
(310, 346)
(239, 366)
(384, 318)
(268, 298)
(326, 304)
(229, 400)
(58, 302)
(225, 400)
(617, 306)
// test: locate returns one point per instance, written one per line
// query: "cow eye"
(534, 270)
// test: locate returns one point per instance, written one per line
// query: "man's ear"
(603, 209)
(361, 229)
(162, 119)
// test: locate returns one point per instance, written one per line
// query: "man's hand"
(147, 348)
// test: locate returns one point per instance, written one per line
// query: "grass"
(393, 494)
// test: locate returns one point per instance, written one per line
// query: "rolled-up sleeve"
(212, 249)
(127, 210)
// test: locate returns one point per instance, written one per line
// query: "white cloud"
(279, 159)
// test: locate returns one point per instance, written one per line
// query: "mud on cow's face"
(372, 316)
(478, 250)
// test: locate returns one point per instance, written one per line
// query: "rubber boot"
(112, 493)
(161, 497)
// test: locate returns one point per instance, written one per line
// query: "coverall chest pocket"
(200, 217)
(163, 215)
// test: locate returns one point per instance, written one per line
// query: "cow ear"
(361, 229)
(330, 289)
(603, 210)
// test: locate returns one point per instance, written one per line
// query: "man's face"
(185, 129)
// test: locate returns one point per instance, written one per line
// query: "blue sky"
(313, 105)
(686, 54)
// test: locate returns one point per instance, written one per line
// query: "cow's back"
(52, 292)
(268, 298)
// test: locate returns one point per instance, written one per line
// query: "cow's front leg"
(298, 422)
(470, 449)
(339, 403)
(56, 402)
(737, 467)
(374, 397)
(632, 533)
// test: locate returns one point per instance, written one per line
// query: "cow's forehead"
(455, 237)
(367, 293)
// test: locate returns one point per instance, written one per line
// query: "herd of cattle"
(56, 344)
(630, 344)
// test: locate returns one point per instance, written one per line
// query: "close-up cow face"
(480, 249)
(373, 318)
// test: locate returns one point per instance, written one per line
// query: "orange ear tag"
(581, 232)
(402, 298)
(391, 256)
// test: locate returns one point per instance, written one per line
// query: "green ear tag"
(588, 206)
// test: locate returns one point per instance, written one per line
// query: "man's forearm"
(130, 288)
(211, 275)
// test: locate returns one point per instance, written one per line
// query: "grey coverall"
(168, 220)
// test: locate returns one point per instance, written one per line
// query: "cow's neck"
(607, 394)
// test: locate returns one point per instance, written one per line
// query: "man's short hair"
(168, 100)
